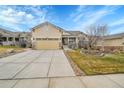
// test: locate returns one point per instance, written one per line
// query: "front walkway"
(48, 68)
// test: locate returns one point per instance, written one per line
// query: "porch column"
(68, 40)
(14, 41)
(7, 39)
(77, 41)
(61, 42)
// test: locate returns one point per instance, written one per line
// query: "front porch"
(69, 41)
(9, 40)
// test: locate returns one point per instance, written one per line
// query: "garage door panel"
(47, 44)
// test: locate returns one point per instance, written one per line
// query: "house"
(15, 38)
(49, 36)
(115, 41)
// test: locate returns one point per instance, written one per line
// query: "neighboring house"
(115, 41)
(15, 38)
(49, 36)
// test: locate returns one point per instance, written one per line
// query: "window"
(43, 38)
(4, 38)
(53, 39)
(16, 39)
(72, 39)
(38, 38)
(10, 39)
(47, 38)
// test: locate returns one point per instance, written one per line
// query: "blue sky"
(23, 18)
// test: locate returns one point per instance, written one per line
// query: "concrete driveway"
(48, 68)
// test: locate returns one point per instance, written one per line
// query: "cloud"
(13, 16)
(117, 30)
(23, 17)
(78, 17)
(78, 13)
(8, 12)
(29, 16)
(9, 19)
(90, 16)
(80, 8)
(117, 22)
(21, 13)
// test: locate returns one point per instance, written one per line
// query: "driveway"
(48, 68)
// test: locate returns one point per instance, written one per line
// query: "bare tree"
(94, 33)
(103, 29)
(1, 39)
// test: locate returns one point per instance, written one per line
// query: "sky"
(74, 18)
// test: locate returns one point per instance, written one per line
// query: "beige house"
(112, 41)
(49, 36)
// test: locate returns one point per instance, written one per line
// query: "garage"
(46, 36)
(51, 43)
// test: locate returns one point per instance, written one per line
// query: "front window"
(72, 39)
(4, 38)
(10, 39)
(16, 39)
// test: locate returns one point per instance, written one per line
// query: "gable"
(46, 31)
(65, 33)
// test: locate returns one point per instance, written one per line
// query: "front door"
(65, 41)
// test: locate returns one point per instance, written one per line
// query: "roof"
(72, 33)
(114, 36)
(48, 23)
(75, 33)
(7, 33)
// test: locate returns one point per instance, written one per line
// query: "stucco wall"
(111, 42)
(46, 31)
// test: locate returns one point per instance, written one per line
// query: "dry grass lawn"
(4, 50)
(93, 65)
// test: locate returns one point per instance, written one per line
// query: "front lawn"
(8, 50)
(91, 65)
